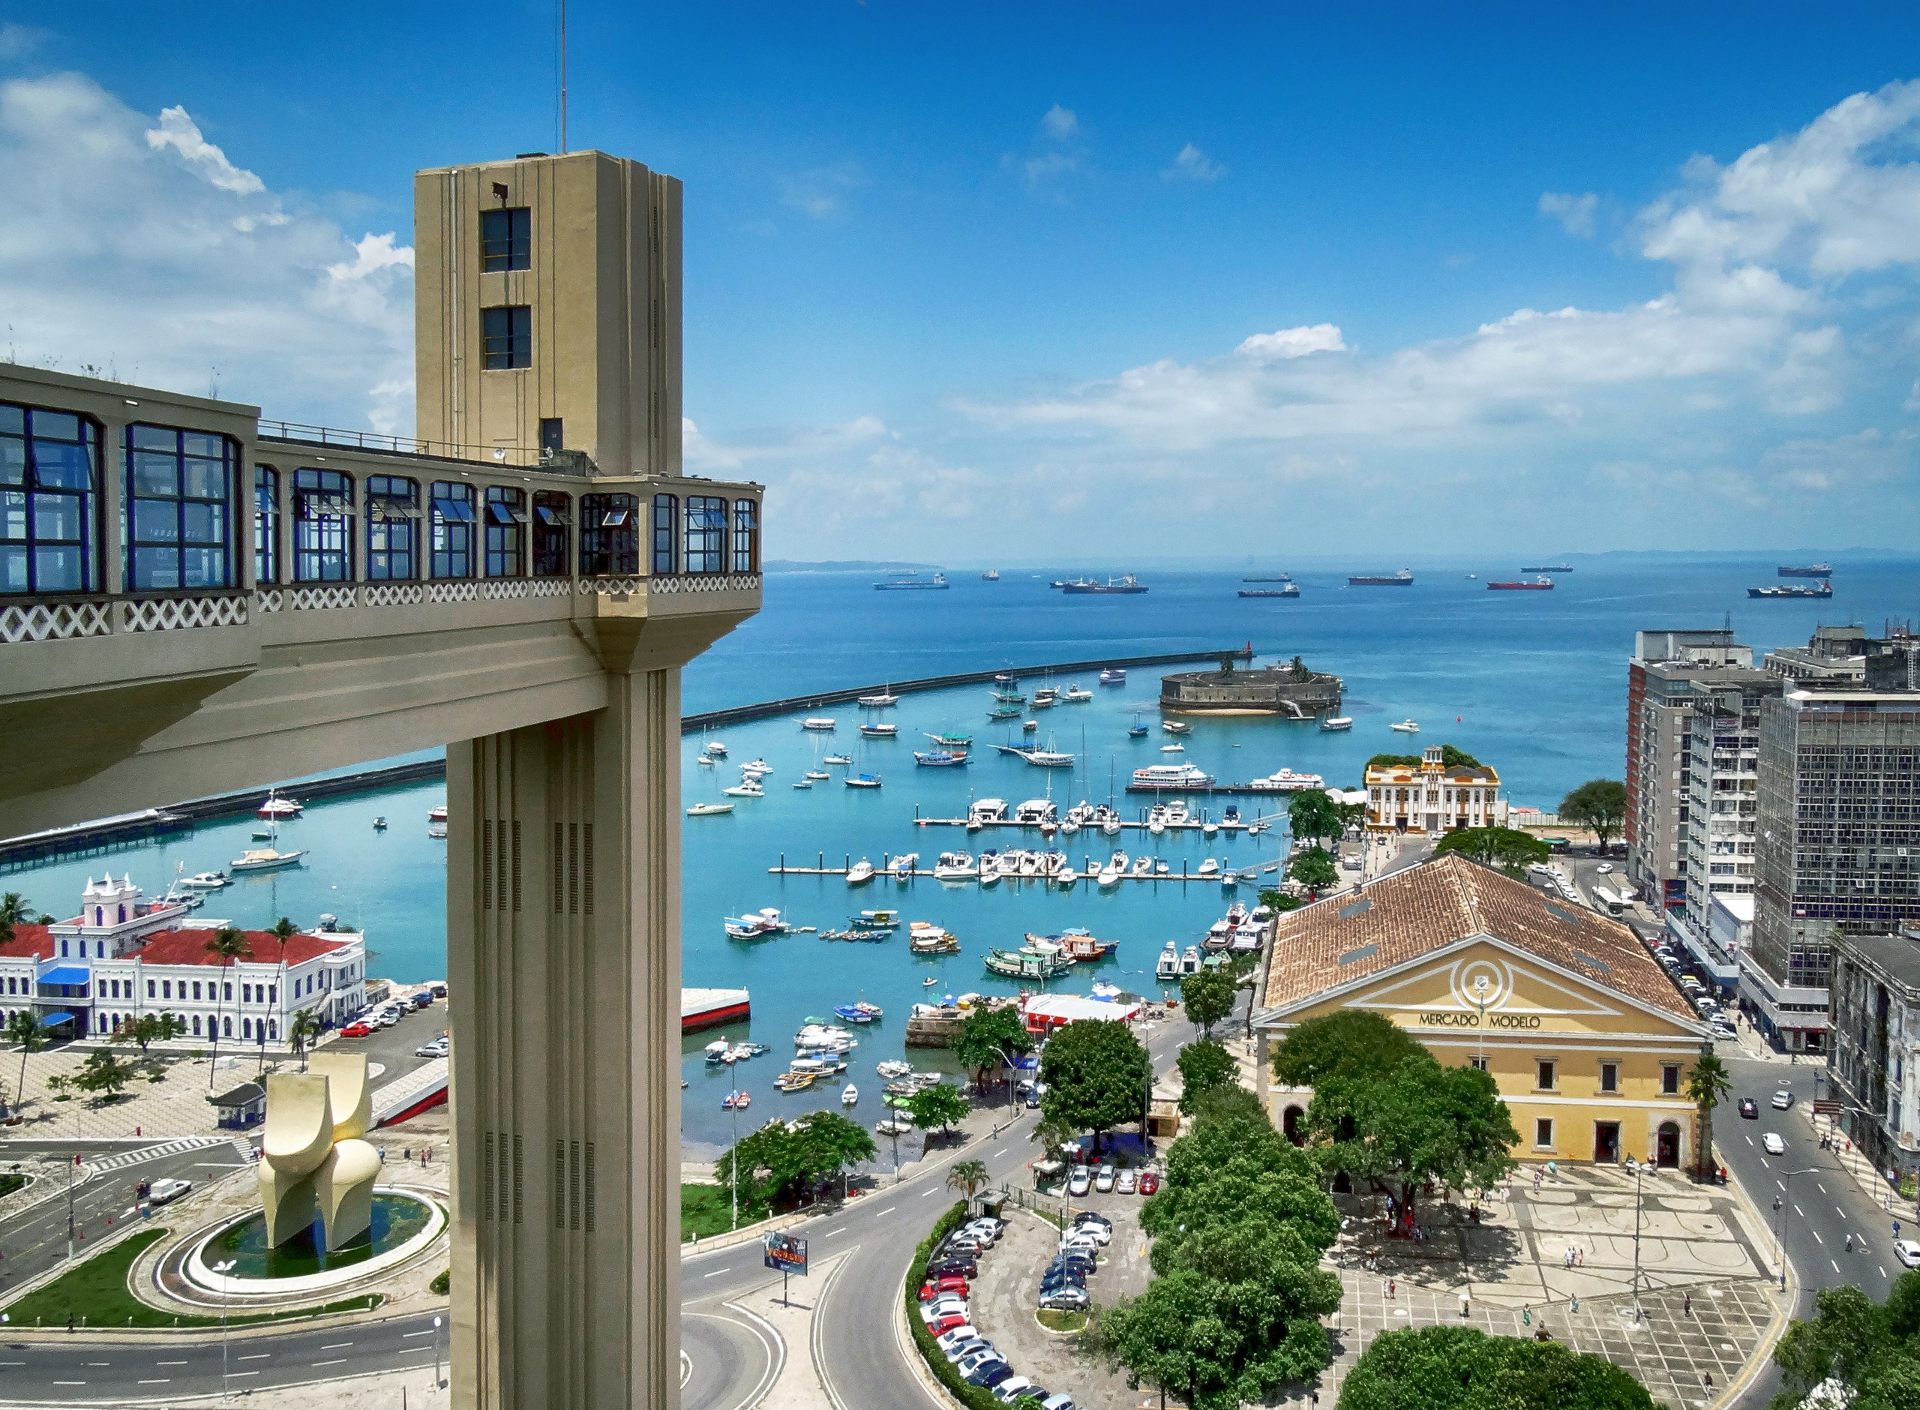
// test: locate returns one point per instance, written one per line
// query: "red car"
(1149, 1182)
(357, 1030)
(946, 1283)
(947, 1324)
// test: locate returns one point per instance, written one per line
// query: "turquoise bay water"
(1533, 683)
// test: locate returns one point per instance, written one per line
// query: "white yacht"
(986, 810)
(820, 723)
(1157, 819)
(1173, 749)
(747, 788)
(880, 731)
(1209, 868)
(714, 748)
(205, 881)
(1167, 967)
(1172, 776)
(1176, 812)
(1176, 727)
(1077, 695)
(885, 700)
(841, 759)
(1035, 812)
(1114, 675)
(1406, 727)
(1287, 781)
(756, 768)
(817, 775)
(1333, 723)
(956, 866)
(903, 865)
(860, 872)
(1143, 866)
(707, 810)
(849, 1094)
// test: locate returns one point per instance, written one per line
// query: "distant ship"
(1403, 578)
(1823, 588)
(907, 582)
(1542, 584)
(1112, 585)
(1808, 570)
(992, 575)
(1549, 568)
(1290, 590)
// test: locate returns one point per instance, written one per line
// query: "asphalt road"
(1818, 1210)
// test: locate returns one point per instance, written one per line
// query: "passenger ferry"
(1114, 675)
(1287, 781)
(1173, 776)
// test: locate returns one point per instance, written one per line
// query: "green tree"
(1097, 1076)
(103, 1075)
(784, 1159)
(940, 1105)
(1313, 817)
(24, 1029)
(984, 1034)
(150, 1028)
(1313, 869)
(1599, 805)
(1207, 997)
(1707, 1086)
(14, 910)
(1507, 848)
(1205, 1067)
(283, 930)
(230, 945)
(1870, 1351)
(302, 1029)
(1450, 758)
(1462, 1368)
(1279, 902)
(967, 1176)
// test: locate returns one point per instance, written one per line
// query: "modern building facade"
(1586, 1037)
(1433, 797)
(1660, 701)
(1874, 1059)
(194, 601)
(124, 956)
(1838, 846)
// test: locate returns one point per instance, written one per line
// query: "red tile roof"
(190, 947)
(29, 942)
(1440, 902)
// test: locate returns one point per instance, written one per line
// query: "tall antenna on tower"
(563, 77)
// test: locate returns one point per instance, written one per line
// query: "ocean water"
(1532, 683)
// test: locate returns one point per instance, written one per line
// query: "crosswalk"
(102, 1165)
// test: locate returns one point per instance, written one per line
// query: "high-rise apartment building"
(1660, 703)
(1717, 834)
(1875, 1054)
(1838, 845)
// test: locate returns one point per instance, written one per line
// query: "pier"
(1233, 829)
(110, 834)
(883, 872)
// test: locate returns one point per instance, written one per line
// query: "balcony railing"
(556, 462)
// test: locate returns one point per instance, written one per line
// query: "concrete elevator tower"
(199, 601)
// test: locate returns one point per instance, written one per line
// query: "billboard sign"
(784, 1254)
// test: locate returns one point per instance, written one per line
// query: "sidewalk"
(1872, 1182)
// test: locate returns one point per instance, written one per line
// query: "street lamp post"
(1007, 1062)
(1480, 996)
(223, 1268)
(1636, 1167)
(436, 1353)
(733, 1167)
(1780, 1219)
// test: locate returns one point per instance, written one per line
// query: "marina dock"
(883, 873)
(1232, 829)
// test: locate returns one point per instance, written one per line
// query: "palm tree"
(24, 1028)
(302, 1029)
(1707, 1086)
(14, 910)
(967, 1176)
(230, 945)
(283, 931)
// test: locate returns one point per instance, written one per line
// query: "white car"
(1605, 868)
(435, 1049)
(167, 1191)
(1012, 1388)
(984, 1231)
(1126, 1183)
(1103, 1182)
(1772, 1144)
(1080, 1183)
(959, 1336)
(931, 1312)
(1907, 1251)
(1782, 1099)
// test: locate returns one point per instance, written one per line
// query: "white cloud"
(1060, 123)
(19, 40)
(1293, 342)
(822, 192)
(1192, 164)
(1575, 213)
(1041, 171)
(220, 277)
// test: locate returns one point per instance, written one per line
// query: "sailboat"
(267, 858)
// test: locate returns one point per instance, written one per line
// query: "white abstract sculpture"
(312, 1157)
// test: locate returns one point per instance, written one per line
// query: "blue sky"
(1029, 277)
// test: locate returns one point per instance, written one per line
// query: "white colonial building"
(124, 955)
(1432, 796)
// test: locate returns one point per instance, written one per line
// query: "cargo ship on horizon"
(1403, 578)
(1127, 584)
(1805, 570)
(1823, 588)
(1549, 568)
(1540, 584)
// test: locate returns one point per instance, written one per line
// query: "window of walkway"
(552, 518)
(746, 536)
(266, 524)
(452, 529)
(323, 526)
(393, 528)
(666, 516)
(706, 534)
(506, 531)
(179, 485)
(49, 479)
(609, 540)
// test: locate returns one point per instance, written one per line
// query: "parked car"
(959, 1336)
(944, 1306)
(1149, 1182)
(1103, 1182)
(1782, 1099)
(947, 1323)
(1092, 1216)
(986, 1230)
(423, 998)
(1605, 868)
(1058, 1402)
(1125, 1183)
(965, 1267)
(947, 1283)
(967, 1345)
(1772, 1144)
(1907, 1251)
(1065, 1299)
(1080, 1182)
(1721, 1031)
(1101, 1234)
(167, 1191)
(1749, 1108)
(437, 1048)
(1058, 1279)
(1011, 1387)
(990, 1375)
(359, 1028)
(439, 990)
(967, 1364)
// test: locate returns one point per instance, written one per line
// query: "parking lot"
(1006, 1292)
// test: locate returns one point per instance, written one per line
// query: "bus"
(1611, 901)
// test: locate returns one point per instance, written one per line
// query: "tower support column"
(563, 890)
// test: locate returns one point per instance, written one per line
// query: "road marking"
(255, 1356)
(835, 1233)
(928, 1194)
(337, 1361)
(1836, 1266)
(161, 1382)
(888, 1210)
(1749, 1140)
(1883, 1271)
(410, 1350)
(336, 1346)
(236, 1375)
(69, 1383)
(1798, 1212)
(1822, 1188)
(169, 1363)
(426, 1333)
(1839, 1211)
(715, 1273)
(1816, 1236)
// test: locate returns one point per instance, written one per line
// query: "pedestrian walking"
(1707, 1378)
(1580, 1258)
(1391, 1290)
(1686, 1307)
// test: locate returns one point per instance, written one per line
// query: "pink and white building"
(124, 955)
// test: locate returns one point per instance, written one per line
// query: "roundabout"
(236, 1260)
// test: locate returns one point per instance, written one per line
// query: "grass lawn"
(11, 1182)
(94, 1293)
(1059, 1319)
(706, 1210)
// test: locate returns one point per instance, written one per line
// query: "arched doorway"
(1666, 1145)
(1293, 1122)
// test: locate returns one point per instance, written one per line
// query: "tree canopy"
(1314, 869)
(1207, 996)
(1462, 1368)
(1708, 1083)
(1097, 1076)
(1312, 816)
(1385, 1110)
(1450, 758)
(984, 1034)
(1205, 1067)
(1873, 1351)
(794, 1155)
(1507, 848)
(103, 1075)
(940, 1105)
(1599, 805)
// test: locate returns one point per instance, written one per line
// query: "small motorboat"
(837, 759)
(926, 983)
(1209, 867)
(849, 1095)
(1030, 726)
(735, 1101)
(1173, 749)
(707, 810)
(860, 872)
(756, 768)
(746, 788)
(205, 881)
(803, 783)
(816, 775)
(717, 1051)
(277, 808)
(884, 730)
(1076, 695)
(862, 780)
(379, 824)
(939, 758)
(891, 1068)
(437, 830)
(437, 814)
(705, 760)
(819, 723)
(1406, 727)
(715, 748)
(1176, 727)
(903, 865)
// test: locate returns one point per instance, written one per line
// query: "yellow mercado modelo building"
(1588, 1040)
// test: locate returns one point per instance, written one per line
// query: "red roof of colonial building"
(190, 947)
(30, 942)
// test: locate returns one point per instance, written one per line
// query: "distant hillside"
(844, 565)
